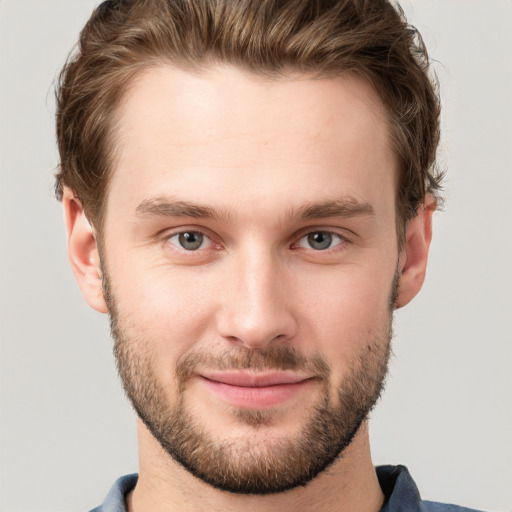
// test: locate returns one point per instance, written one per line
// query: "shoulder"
(402, 494)
(115, 500)
(432, 506)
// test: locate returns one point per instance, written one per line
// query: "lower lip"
(253, 397)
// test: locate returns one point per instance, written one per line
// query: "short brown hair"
(323, 37)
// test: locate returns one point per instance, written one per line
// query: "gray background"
(66, 430)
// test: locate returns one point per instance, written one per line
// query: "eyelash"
(206, 237)
(334, 237)
(334, 240)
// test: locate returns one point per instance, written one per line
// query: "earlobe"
(414, 256)
(83, 252)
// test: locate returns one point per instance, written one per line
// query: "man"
(248, 190)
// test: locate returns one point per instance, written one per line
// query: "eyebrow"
(168, 207)
(164, 206)
(345, 207)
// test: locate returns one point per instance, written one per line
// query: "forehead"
(222, 135)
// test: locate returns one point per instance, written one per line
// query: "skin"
(256, 153)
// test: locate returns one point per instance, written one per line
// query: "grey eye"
(190, 240)
(320, 240)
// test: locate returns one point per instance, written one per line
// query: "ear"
(83, 252)
(414, 255)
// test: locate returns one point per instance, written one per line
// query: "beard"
(240, 464)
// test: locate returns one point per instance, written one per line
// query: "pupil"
(320, 240)
(191, 240)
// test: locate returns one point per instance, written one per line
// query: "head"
(259, 179)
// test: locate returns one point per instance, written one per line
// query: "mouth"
(260, 390)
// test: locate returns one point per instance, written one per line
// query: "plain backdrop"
(67, 431)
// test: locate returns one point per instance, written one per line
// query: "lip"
(250, 390)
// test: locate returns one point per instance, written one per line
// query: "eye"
(320, 240)
(190, 240)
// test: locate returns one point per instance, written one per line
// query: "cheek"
(162, 310)
(347, 311)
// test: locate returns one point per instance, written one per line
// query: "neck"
(350, 484)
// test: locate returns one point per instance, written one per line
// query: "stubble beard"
(241, 465)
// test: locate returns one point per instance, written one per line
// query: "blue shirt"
(400, 491)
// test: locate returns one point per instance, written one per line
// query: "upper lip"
(254, 379)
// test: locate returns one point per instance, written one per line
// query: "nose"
(256, 302)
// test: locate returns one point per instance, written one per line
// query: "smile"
(255, 390)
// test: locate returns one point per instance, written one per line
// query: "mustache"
(279, 357)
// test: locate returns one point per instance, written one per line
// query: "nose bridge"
(255, 308)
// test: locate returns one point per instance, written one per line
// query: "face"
(250, 260)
